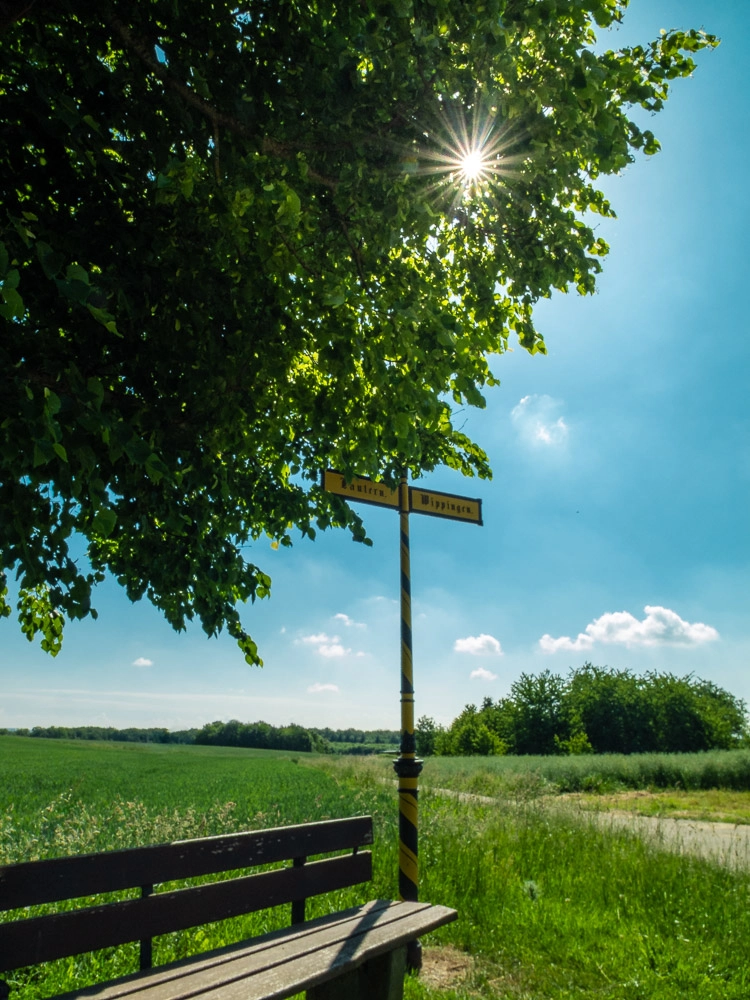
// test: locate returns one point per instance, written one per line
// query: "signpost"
(406, 499)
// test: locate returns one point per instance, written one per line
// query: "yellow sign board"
(360, 489)
(431, 502)
(445, 505)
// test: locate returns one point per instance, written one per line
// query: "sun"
(468, 152)
(473, 165)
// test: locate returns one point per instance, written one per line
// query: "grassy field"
(600, 773)
(549, 906)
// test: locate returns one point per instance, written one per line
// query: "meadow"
(549, 905)
(600, 773)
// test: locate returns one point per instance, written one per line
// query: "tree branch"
(356, 255)
(265, 144)
(10, 11)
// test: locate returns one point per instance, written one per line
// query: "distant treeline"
(594, 710)
(131, 735)
(255, 735)
(260, 736)
(371, 736)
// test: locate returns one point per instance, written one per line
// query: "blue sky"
(615, 529)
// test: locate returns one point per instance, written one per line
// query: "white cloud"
(328, 645)
(660, 627)
(348, 622)
(317, 639)
(478, 645)
(142, 662)
(318, 688)
(483, 675)
(538, 421)
(333, 649)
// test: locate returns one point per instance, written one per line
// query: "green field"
(506, 775)
(549, 905)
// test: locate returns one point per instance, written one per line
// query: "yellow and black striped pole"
(407, 766)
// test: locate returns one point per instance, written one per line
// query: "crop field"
(723, 769)
(549, 906)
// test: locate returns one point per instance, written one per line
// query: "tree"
(425, 733)
(539, 717)
(599, 710)
(226, 263)
(724, 715)
(611, 708)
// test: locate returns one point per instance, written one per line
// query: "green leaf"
(50, 260)
(104, 522)
(75, 273)
(155, 468)
(42, 453)
(11, 280)
(13, 306)
(105, 318)
(96, 390)
(52, 402)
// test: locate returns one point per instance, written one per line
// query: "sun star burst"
(467, 152)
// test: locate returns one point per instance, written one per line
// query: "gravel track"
(723, 843)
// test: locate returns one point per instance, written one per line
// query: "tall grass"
(589, 772)
(556, 908)
(548, 906)
(59, 798)
(73, 797)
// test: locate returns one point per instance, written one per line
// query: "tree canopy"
(240, 242)
(595, 710)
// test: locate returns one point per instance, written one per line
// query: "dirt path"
(724, 843)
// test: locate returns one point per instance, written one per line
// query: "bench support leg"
(381, 978)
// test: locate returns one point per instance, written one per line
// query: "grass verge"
(549, 905)
(718, 805)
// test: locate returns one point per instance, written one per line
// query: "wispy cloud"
(347, 621)
(319, 688)
(539, 422)
(478, 645)
(316, 639)
(481, 674)
(327, 645)
(333, 649)
(142, 662)
(660, 627)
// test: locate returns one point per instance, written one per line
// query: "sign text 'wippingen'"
(364, 490)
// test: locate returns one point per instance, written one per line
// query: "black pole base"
(414, 956)
(408, 767)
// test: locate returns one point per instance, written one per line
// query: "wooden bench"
(357, 953)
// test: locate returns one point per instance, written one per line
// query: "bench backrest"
(32, 940)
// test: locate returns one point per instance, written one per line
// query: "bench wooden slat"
(44, 938)
(283, 963)
(48, 881)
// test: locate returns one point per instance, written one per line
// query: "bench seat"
(358, 952)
